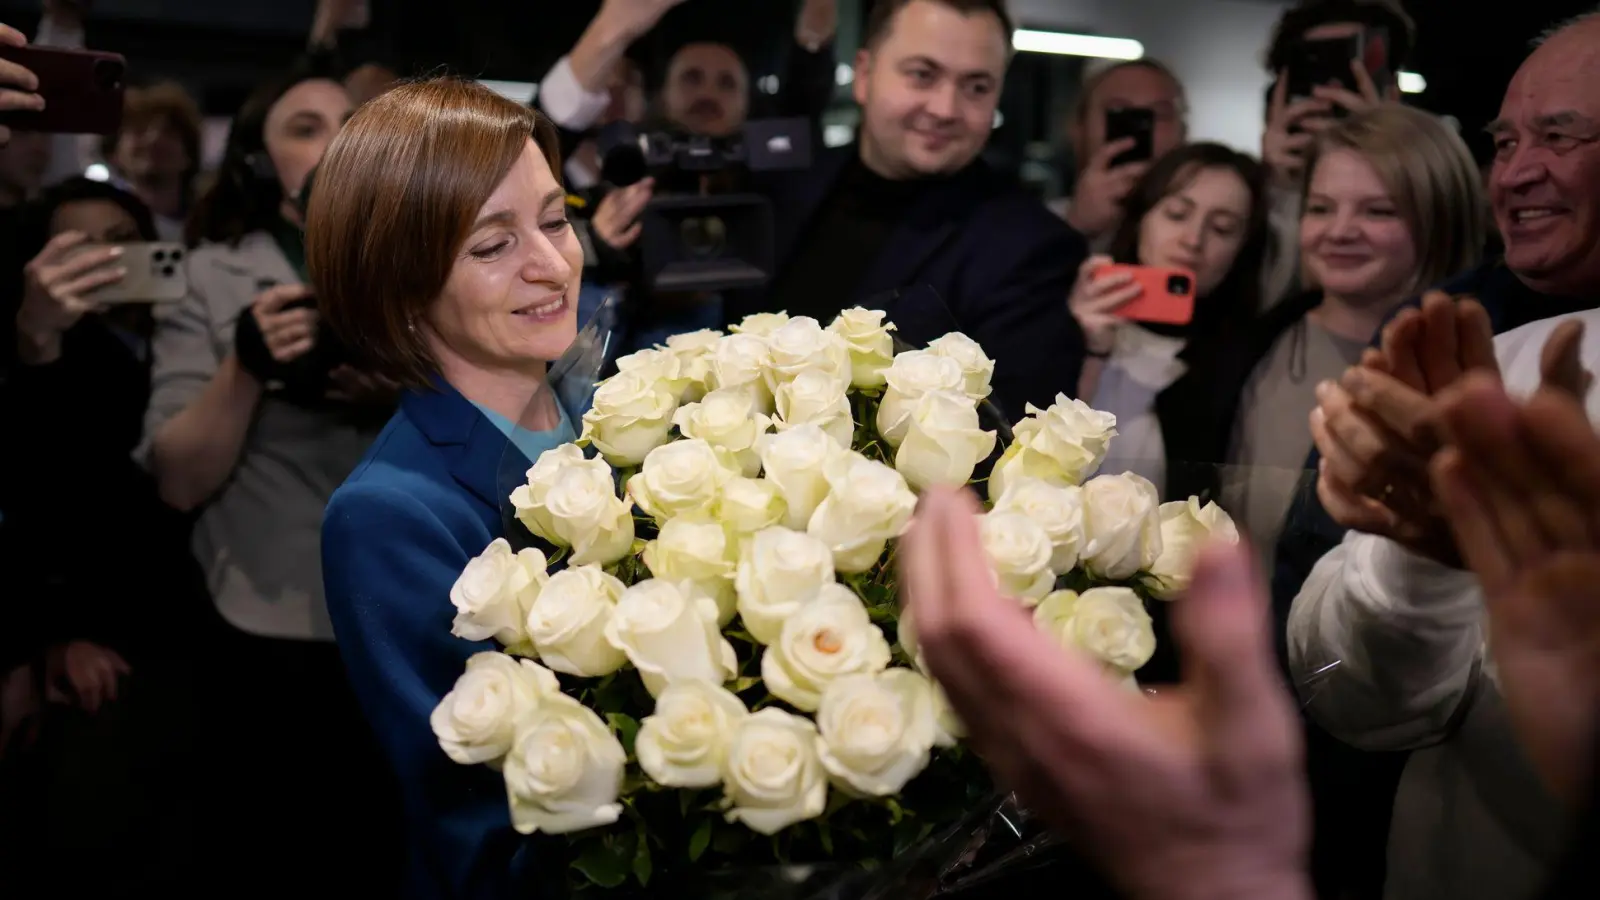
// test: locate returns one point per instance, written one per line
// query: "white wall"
(1215, 46)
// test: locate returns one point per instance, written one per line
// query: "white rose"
(943, 442)
(795, 461)
(1186, 528)
(680, 477)
(629, 416)
(529, 498)
(568, 622)
(565, 771)
(818, 397)
(876, 731)
(694, 548)
(948, 729)
(663, 366)
(729, 419)
(669, 632)
(1107, 623)
(1019, 552)
(1058, 510)
(748, 505)
(476, 722)
(588, 516)
(867, 504)
(828, 637)
(977, 368)
(912, 374)
(740, 361)
(1121, 524)
(1062, 445)
(761, 324)
(802, 344)
(493, 592)
(694, 352)
(772, 777)
(779, 570)
(684, 743)
(870, 343)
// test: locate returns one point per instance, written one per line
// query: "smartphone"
(82, 90)
(1133, 122)
(1327, 61)
(156, 274)
(1167, 297)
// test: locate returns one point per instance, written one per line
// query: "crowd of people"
(210, 669)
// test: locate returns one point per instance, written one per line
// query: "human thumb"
(1561, 361)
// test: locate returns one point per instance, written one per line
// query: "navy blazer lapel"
(482, 459)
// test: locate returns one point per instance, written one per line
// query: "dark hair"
(1309, 14)
(33, 227)
(395, 197)
(1238, 296)
(240, 200)
(881, 19)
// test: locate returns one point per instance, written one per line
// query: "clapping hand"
(1195, 792)
(1521, 489)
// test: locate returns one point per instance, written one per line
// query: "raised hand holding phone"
(55, 285)
(1102, 186)
(18, 84)
(1095, 300)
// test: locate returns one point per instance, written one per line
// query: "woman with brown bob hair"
(439, 246)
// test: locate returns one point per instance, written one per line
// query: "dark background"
(1466, 51)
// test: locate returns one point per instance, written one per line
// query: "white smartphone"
(156, 274)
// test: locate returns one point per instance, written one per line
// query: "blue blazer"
(426, 499)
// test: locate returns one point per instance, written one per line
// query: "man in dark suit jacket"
(909, 219)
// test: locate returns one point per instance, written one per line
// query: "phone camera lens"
(177, 255)
(167, 271)
(108, 74)
(1180, 285)
(159, 256)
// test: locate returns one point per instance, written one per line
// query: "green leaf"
(626, 727)
(729, 840)
(700, 840)
(896, 811)
(744, 684)
(602, 864)
(641, 858)
(743, 637)
(825, 834)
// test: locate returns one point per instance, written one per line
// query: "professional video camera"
(691, 240)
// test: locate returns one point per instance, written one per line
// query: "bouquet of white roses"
(709, 665)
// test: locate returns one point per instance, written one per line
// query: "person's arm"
(1089, 381)
(1385, 646)
(808, 80)
(200, 408)
(574, 93)
(388, 564)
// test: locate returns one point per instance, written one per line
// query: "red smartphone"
(1167, 297)
(82, 90)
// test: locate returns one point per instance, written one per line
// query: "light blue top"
(533, 444)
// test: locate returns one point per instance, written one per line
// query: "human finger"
(1366, 454)
(1566, 444)
(83, 284)
(1111, 281)
(1110, 301)
(1365, 86)
(625, 238)
(1340, 96)
(1350, 509)
(1306, 108)
(299, 316)
(1561, 363)
(1534, 518)
(1373, 358)
(79, 263)
(276, 298)
(1110, 150)
(1398, 341)
(1396, 406)
(292, 351)
(1475, 336)
(1438, 350)
(281, 334)
(20, 101)
(1476, 530)
(57, 247)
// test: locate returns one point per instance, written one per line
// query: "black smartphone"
(1327, 62)
(82, 90)
(1133, 122)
